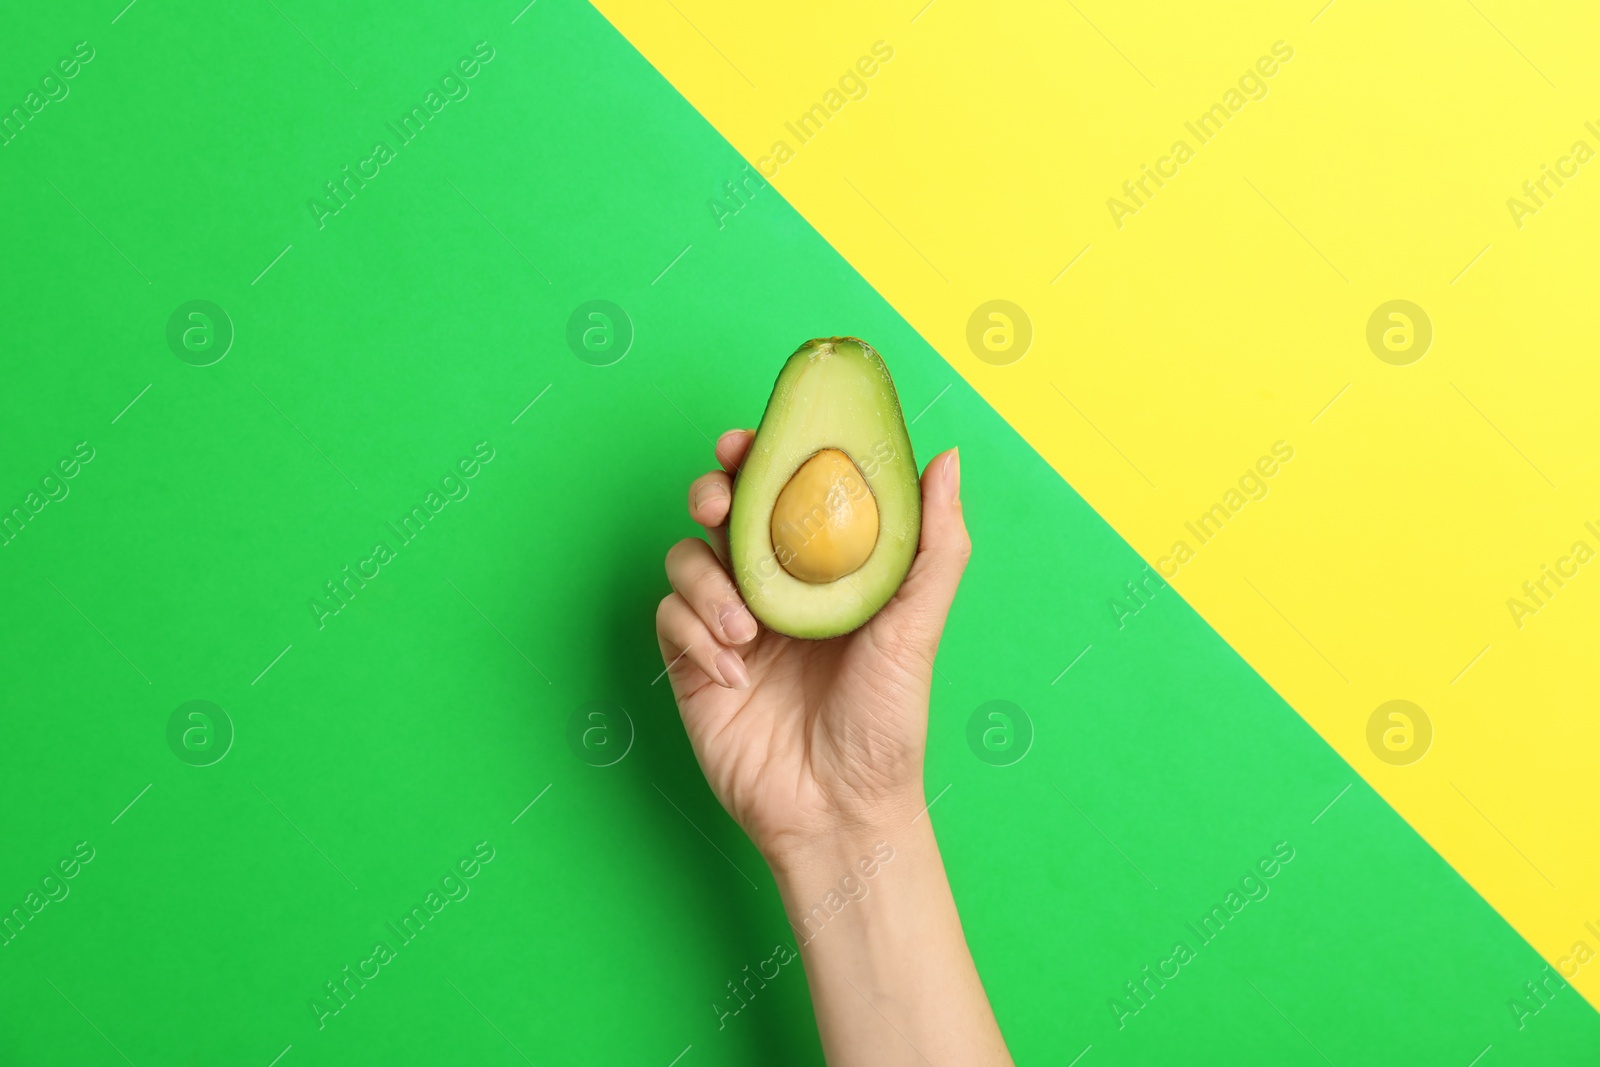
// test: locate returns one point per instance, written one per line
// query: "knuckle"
(664, 609)
(716, 602)
(679, 553)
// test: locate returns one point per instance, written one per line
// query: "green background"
(378, 750)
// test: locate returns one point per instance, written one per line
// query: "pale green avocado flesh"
(834, 392)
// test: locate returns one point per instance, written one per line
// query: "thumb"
(918, 611)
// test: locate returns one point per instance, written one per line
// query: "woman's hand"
(816, 747)
(808, 740)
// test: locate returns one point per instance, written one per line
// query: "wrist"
(808, 869)
(857, 905)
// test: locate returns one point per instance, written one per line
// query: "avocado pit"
(825, 521)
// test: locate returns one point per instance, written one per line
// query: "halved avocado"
(817, 555)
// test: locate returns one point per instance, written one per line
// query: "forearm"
(891, 978)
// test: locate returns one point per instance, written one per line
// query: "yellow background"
(1229, 311)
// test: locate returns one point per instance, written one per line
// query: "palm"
(821, 734)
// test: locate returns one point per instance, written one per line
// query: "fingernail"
(737, 623)
(731, 667)
(952, 476)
